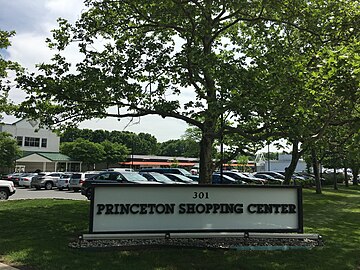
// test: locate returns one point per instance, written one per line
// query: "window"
(32, 142)
(44, 142)
(19, 140)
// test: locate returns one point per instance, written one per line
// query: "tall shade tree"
(181, 59)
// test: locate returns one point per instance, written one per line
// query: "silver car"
(25, 180)
(45, 180)
(77, 179)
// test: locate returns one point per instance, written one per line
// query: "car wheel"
(4, 194)
(60, 188)
(37, 188)
(48, 186)
(76, 189)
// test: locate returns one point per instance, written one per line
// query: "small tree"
(114, 152)
(85, 151)
(9, 151)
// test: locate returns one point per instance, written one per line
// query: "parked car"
(273, 174)
(25, 179)
(14, 177)
(179, 178)
(45, 180)
(158, 177)
(269, 178)
(64, 181)
(77, 179)
(217, 178)
(113, 177)
(248, 179)
(172, 171)
(7, 188)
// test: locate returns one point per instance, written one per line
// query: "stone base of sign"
(254, 241)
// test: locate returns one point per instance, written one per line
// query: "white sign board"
(128, 208)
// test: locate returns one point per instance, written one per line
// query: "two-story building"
(40, 148)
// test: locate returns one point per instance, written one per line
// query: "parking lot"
(26, 193)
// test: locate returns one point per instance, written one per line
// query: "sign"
(130, 208)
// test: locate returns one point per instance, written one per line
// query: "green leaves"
(9, 150)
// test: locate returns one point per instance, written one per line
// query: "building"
(148, 161)
(40, 148)
(281, 163)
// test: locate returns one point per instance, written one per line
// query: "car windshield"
(133, 176)
(184, 178)
(184, 172)
(65, 176)
(88, 175)
(162, 178)
(76, 176)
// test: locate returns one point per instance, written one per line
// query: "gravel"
(204, 243)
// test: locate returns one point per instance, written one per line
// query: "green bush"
(329, 178)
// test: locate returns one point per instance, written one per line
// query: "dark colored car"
(180, 178)
(113, 177)
(15, 178)
(269, 178)
(173, 171)
(273, 174)
(158, 177)
(217, 178)
(242, 177)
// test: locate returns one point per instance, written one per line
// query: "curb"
(7, 267)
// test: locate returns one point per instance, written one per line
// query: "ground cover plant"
(34, 234)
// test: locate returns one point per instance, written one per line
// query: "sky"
(33, 20)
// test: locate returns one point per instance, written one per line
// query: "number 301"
(201, 195)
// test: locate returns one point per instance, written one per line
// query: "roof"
(44, 156)
(156, 163)
(161, 158)
(54, 156)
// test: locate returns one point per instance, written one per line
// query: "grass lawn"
(34, 234)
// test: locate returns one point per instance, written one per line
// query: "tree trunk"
(315, 165)
(355, 171)
(206, 163)
(335, 180)
(346, 177)
(295, 156)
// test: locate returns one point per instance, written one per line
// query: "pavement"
(6, 267)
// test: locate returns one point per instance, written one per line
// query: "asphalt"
(7, 267)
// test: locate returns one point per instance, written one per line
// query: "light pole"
(268, 156)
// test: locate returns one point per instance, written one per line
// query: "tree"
(157, 50)
(142, 143)
(84, 150)
(9, 151)
(113, 152)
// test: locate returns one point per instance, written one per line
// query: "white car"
(25, 180)
(7, 189)
(64, 181)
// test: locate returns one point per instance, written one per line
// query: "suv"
(7, 189)
(77, 179)
(45, 180)
(63, 182)
(173, 171)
